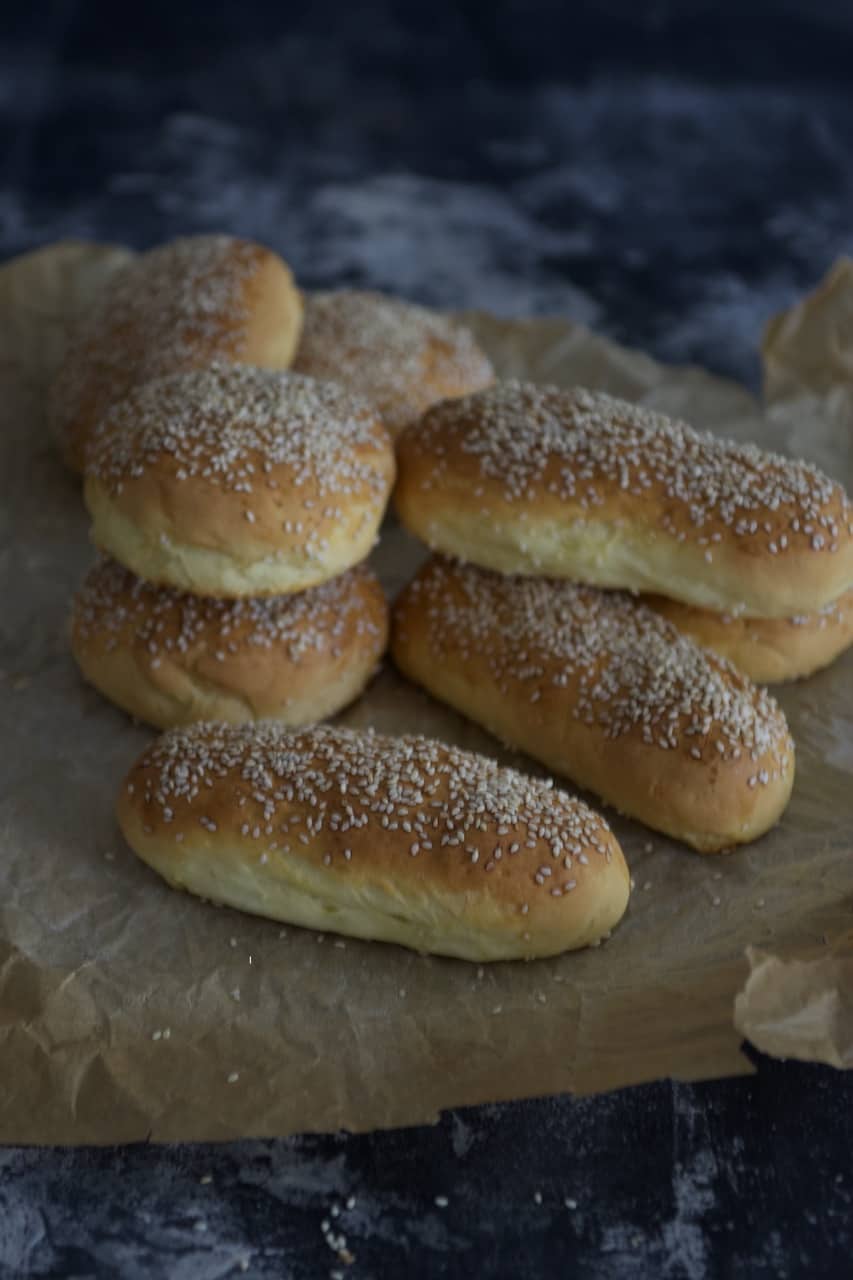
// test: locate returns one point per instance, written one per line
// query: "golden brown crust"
(175, 308)
(401, 357)
(768, 650)
(398, 839)
(236, 481)
(540, 480)
(171, 659)
(605, 692)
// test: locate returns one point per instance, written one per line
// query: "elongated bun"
(768, 650)
(401, 357)
(177, 307)
(605, 692)
(235, 481)
(170, 658)
(397, 839)
(574, 484)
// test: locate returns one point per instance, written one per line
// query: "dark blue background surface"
(671, 173)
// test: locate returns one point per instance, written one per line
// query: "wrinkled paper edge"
(799, 1007)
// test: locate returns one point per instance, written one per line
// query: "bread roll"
(768, 650)
(401, 357)
(177, 307)
(574, 484)
(170, 658)
(235, 481)
(398, 839)
(604, 691)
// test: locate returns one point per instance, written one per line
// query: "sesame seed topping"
(113, 607)
(307, 782)
(179, 304)
(219, 426)
(620, 667)
(399, 356)
(579, 446)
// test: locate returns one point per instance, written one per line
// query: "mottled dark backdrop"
(671, 173)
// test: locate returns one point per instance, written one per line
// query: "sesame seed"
(526, 440)
(380, 346)
(334, 781)
(212, 425)
(620, 668)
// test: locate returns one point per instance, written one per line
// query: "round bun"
(574, 484)
(178, 307)
(398, 839)
(235, 481)
(768, 650)
(401, 357)
(604, 691)
(170, 658)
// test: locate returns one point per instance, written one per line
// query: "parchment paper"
(125, 1008)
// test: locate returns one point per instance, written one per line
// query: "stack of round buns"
(748, 552)
(233, 501)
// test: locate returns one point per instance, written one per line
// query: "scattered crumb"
(442, 1202)
(537, 1197)
(233, 1078)
(570, 1203)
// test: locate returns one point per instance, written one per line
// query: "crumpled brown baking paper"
(801, 1008)
(129, 1011)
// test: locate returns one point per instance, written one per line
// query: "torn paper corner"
(809, 347)
(799, 1008)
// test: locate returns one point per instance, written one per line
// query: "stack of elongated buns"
(548, 497)
(237, 476)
